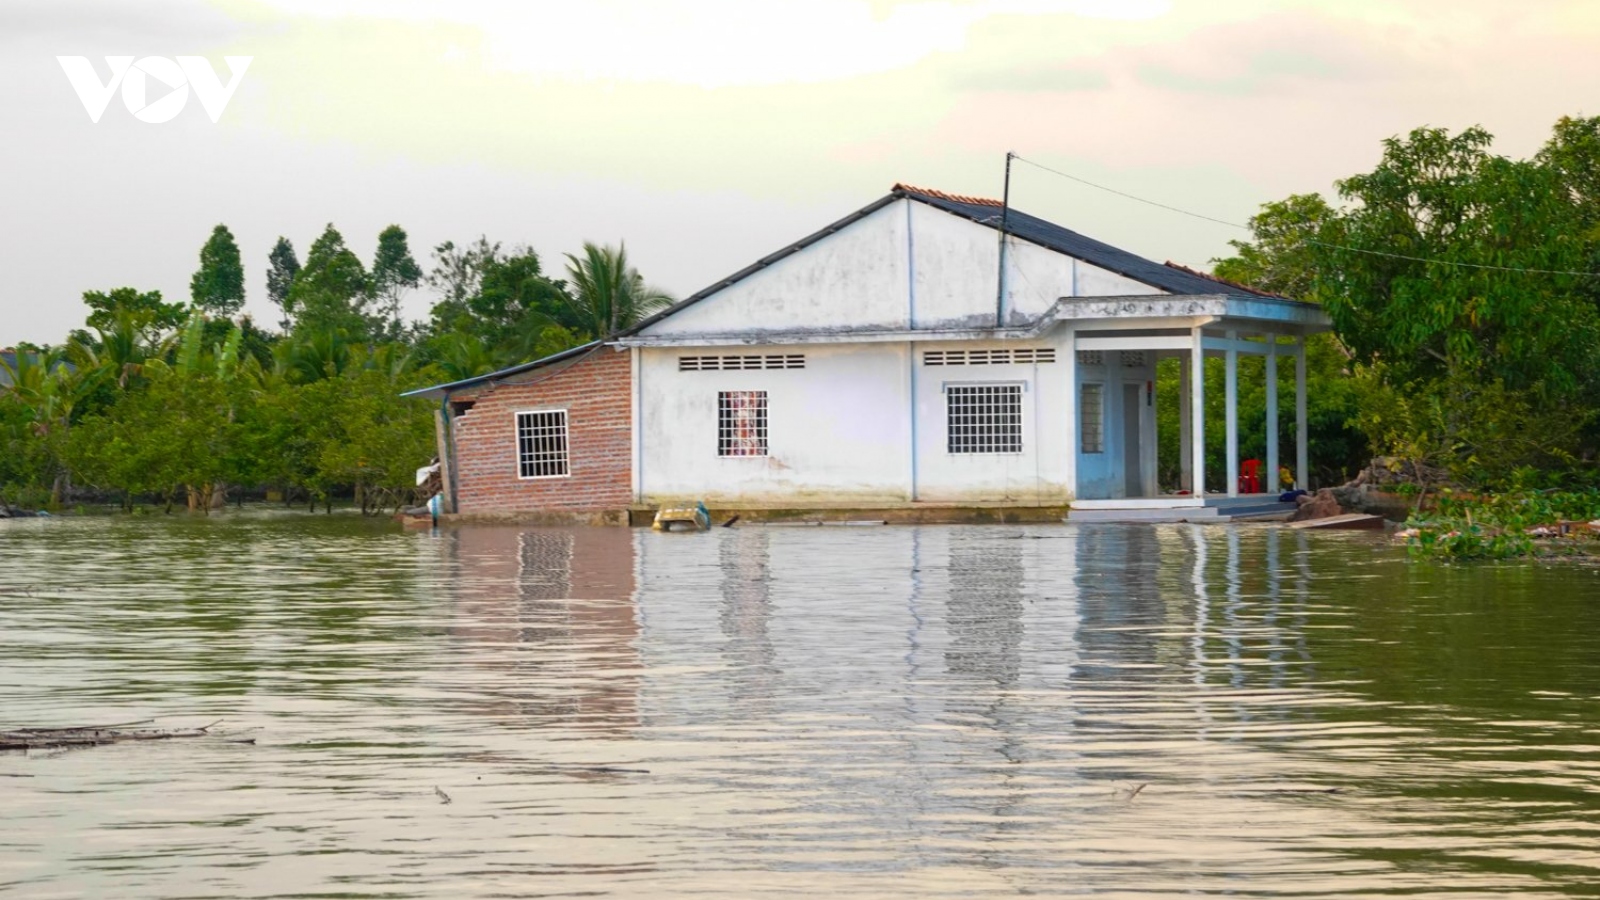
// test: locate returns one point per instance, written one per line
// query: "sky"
(707, 133)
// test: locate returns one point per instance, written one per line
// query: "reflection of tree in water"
(747, 611)
(984, 615)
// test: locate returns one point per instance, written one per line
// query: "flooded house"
(932, 355)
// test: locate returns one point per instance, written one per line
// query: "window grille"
(741, 423)
(1091, 357)
(542, 444)
(984, 418)
(1092, 418)
(989, 357)
(741, 363)
(1132, 359)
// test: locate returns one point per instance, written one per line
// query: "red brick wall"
(595, 390)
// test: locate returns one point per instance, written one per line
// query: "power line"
(1111, 190)
(1402, 256)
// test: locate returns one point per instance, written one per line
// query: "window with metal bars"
(741, 423)
(984, 418)
(1092, 418)
(542, 444)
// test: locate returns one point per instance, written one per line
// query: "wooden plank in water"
(1346, 522)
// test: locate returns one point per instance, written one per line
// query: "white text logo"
(135, 77)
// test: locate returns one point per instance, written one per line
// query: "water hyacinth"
(1512, 525)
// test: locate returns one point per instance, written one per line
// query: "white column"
(1270, 481)
(1185, 437)
(1302, 454)
(1231, 402)
(1197, 412)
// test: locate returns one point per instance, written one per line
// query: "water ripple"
(919, 712)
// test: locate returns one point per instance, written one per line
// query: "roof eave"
(441, 391)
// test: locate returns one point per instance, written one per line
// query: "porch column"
(1231, 401)
(1302, 455)
(1271, 481)
(1185, 437)
(1197, 412)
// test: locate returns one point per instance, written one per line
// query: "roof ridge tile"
(901, 186)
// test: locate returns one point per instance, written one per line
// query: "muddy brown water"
(1103, 711)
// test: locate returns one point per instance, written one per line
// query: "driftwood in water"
(92, 736)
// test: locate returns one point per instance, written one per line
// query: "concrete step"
(1258, 510)
(1184, 514)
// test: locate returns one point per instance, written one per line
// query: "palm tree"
(608, 295)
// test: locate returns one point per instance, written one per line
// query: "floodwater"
(830, 712)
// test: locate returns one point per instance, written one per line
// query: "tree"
(607, 294)
(458, 271)
(1399, 271)
(1463, 283)
(282, 267)
(218, 285)
(332, 291)
(393, 273)
(144, 309)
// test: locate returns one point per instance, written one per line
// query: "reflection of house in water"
(746, 566)
(984, 614)
(550, 613)
(1124, 585)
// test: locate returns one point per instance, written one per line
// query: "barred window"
(984, 418)
(542, 444)
(741, 423)
(1091, 357)
(1092, 418)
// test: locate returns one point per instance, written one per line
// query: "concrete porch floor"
(1180, 508)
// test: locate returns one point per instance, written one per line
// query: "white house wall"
(841, 429)
(837, 430)
(907, 265)
(1041, 473)
(852, 279)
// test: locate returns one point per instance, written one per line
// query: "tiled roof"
(985, 211)
(1170, 278)
(903, 188)
(1233, 284)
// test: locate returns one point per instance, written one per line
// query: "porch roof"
(1261, 312)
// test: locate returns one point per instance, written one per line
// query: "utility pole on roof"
(1005, 220)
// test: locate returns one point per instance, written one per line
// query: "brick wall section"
(595, 390)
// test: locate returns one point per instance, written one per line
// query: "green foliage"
(496, 310)
(332, 291)
(218, 285)
(143, 310)
(165, 402)
(1456, 281)
(1509, 525)
(393, 273)
(609, 295)
(1475, 428)
(282, 268)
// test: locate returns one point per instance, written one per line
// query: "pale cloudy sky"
(707, 133)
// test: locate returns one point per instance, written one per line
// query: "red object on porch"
(1250, 476)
